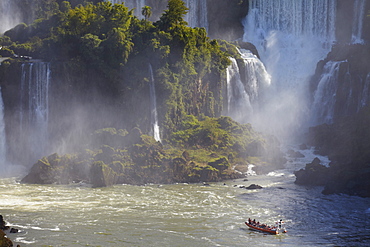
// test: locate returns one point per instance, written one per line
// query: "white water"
(197, 15)
(245, 89)
(185, 214)
(365, 92)
(2, 135)
(34, 111)
(9, 15)
(325, 94)
(257, 78)
(358, 17)
(239, 106)
(153, 106)
(291, 37)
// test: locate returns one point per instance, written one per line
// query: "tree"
(147, 12)
(173, 16)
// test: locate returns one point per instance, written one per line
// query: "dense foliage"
(108, 39)
(204, 150)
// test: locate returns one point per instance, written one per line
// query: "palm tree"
(147, 12)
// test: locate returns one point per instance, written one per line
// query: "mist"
(9, 15)
(289, 45)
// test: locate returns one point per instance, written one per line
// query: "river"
(183, 214)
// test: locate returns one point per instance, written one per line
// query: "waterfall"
(257, 80)
(239, 106)
(245, 86)
(9, 16)
(2, 135)
(325, 94)
(358, 16)
(291, 37)
(197, 15)
(34, 109)
(365, 97)
(153, 105)
(132, 4)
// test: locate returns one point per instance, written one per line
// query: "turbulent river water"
(183, 214)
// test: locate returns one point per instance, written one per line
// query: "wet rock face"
(225, 18)
(313, 174)
(4, 241)
(351, 79)
(3, 226)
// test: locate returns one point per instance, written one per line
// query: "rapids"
(184, 214)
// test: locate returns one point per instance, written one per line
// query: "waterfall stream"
(153, 106)
(9, 16)
(245, 86)
(34, 106)
(358, 16)
(291, 37)
(197, 15)
(2, 135)
(239, 106)
(325, 95)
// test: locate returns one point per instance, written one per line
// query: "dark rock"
(3, 225)
(254, 187)
(303, 146)
(14, 230)
(4, 241)
(313, 174)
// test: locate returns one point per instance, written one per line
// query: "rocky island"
(207, 150)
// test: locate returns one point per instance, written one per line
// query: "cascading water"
(153, 105)
(256, 78)
(325, 95)
(2, 135)
(291, 37)
(239, 106)
(197, 15)
(34, 110)
(9, 16)
(358, 16)
(365, 97)
(245, 85)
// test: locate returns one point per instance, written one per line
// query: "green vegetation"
(204, 150)
(104, 48)
(108, 40)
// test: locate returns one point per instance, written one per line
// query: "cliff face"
(346, 143)
(340, 85)
(225, 18)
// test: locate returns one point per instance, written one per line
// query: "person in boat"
(254, 221)
(249, 221)
(280, 222)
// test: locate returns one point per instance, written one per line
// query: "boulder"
(3, 225)
(313, 174)
(4, 241)
(254, 187)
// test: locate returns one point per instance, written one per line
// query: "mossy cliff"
(210, 149)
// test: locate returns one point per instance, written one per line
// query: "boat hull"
(262, 229)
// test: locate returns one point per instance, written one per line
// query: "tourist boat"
(268, 229)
